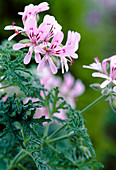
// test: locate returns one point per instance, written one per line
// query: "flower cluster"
(107, 71)
(45, 40)
(69, 89)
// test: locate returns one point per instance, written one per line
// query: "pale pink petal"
(104, 62)
(52, 66)
(51, 20)
(94, 66)
(74, 55)
(68, 80)
(57, 39)
(27, 58)
(31, 26)
(41, 64)
(43, 30)
(37, 57)
(42, 7)
(100, 75)
(68, 38)
(78, 89)
(39, 49)
(105, 83)
(19, 46)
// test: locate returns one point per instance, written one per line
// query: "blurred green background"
(95, 20)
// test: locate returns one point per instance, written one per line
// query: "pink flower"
(95, 66)
(68, 51)
(103, 71)
(71, 89)
(52, 50)
(32, 10)
(45, 40)
(54, 29)
(29, 11)
(36, 35)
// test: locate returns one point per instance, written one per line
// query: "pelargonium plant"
(40, 126)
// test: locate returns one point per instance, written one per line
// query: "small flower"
(36, 35)
(45, 39)
(32, 10)
(54, 29)
(52, 50)
(67, 53)
(95, 66)
(103, 71)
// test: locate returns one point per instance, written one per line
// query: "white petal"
(12, 27)
(105, 83)
(100, 75)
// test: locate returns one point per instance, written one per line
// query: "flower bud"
(113, 103)
(95, 86)
(105, 91)
(24, 41)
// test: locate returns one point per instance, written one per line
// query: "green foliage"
(24, 142)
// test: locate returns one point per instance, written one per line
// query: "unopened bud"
(24, 41)
(105, 91)
(113, 103)
(95, 86)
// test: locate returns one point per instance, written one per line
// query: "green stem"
(5, 86)
(47, 126)
(3, 79)
(22, 167)
(54, 133)
(60, 138)
(93, 103)
(46, 131)
(52, 148)
(13, 163)
(19, 157)
(23, 134)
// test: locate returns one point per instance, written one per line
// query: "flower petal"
(52, 66)
(19, 46)
(37, 57)
(12, 27)
(41, 64)
(12, 36)
(100, 75)
(105, 83)
(57, 39)
(74, 55)
(27, 58)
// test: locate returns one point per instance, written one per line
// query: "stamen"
(71, 62)
(13, 23)
(17, 32)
